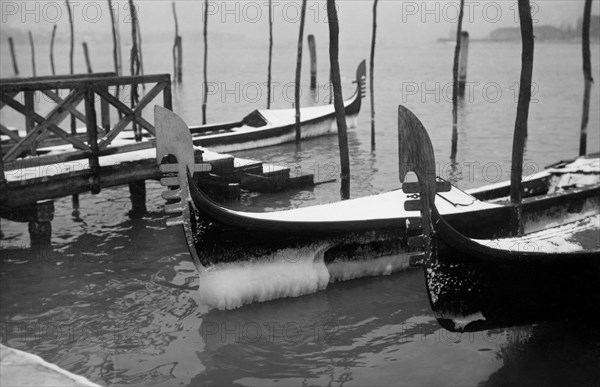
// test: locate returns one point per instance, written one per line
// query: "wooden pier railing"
(86, 88)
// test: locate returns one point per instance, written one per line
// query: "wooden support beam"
(2, 177)
(92, 132)
(72, 109)
(105, 113)
(29, 123)
(40, 226)
(78, 81)
(57, 115)
(168, 96)
(13, 134)
(137, 191)
(130, 115)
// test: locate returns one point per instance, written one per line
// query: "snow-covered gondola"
(477, 284)
(352, 238)
(266, 127)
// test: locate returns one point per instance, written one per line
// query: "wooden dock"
(47, 162)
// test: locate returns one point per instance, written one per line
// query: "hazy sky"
(414, 20)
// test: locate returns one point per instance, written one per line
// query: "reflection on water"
(132, 317)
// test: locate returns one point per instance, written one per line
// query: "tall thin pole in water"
(371, 74)
(86, 54)
(52, 50)
(134, 63)
(116, 47)
(32, 54)
(270, 55)
(11, 45)
(312, 49)
(177, 50)
(587, 74)
(455, 82)
(75, 197)
(299, 70)
(338, 99)
(204, 83)
(520, 134)
(72, 37)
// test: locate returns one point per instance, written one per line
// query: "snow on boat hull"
(478, 284)
(272, 127)
(331, 242)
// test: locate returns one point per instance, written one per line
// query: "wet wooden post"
(137, 195)
(177, 50)
(520, 134)
(313, 61)
(33, 69)
(52, 50)
(270, 54)
(11, 44)
(462, 65)
(40, 224)
(371, 74)
(75, 198)
(105, 113)
(338, 99)
(29, 122)
(2, 177)
(86, 54)
(204, 83)
(455, 82)
(116, 50)
(179, 59)
(587, 75)
(134, 66)
(168, 97)
(297, 89)
(92, 136)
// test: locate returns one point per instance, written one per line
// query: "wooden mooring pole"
(371, 74)
(338, 99)
(313, 61)
(297, 89)
(462, 65)
(11, 45)
(40, 224)
(270, 54)
(205, 83)
(75, 198)
(52, 50)
(455, 82)
(177, 50)
(520, 135)
(86, 54)
(587, 75)
(33, 70)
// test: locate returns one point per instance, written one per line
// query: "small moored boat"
(344, 240)
(265, 127)
(477, 284)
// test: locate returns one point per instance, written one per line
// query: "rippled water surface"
(115, 299)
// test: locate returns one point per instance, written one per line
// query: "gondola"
(266, 127)
(477, 284)
(353, 238)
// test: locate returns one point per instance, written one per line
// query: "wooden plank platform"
(28, 185)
